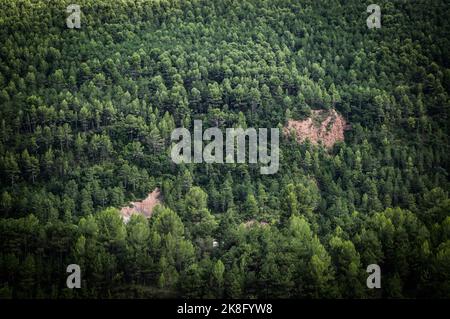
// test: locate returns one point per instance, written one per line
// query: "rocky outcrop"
(144, 207)
(325, 126)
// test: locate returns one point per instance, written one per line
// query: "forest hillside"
(86, 116)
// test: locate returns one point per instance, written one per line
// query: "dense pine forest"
(85, 122)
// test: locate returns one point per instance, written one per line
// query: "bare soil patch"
(144, 207)
(326, 126)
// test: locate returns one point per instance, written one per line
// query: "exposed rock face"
(144, 207)
(323, 125)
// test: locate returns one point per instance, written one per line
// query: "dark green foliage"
(85, 122)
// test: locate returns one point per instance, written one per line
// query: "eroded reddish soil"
(144, 207)
(326, 126)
